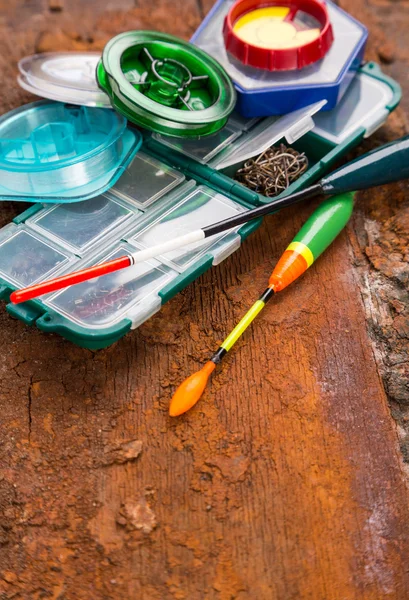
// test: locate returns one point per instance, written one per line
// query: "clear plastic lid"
(205, 148)
(165, 84)
(203, 206)
(266, 133)
(26, 258)
(63, 76)
(146, 180)
(348, 35)
(103, 301)
(363, 105)
(53, 152)
(83, 224)
(243, 138)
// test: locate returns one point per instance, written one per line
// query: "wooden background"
(288, 481)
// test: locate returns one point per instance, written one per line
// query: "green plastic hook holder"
(165, 84)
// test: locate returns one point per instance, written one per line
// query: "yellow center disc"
(266, 28)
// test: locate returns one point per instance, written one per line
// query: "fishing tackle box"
(171, 187)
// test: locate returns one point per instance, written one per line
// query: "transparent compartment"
(203, 206)
(225, 247)
(205, 148)
(146, 180)
(26, 258)
(83, 224)
(363, 105)
(7, 231)
(103, 301)
(266, 133)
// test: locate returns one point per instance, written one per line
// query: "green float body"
(326, 223)
(314, 237)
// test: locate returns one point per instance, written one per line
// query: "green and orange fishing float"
(313, 238)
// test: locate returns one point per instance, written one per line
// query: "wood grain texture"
(286, 482)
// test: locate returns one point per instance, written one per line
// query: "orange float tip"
(191, 390)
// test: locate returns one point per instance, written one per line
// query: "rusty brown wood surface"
(289, 480)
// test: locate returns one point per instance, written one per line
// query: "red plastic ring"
(278, 59)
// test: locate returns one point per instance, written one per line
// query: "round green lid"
(165, 84)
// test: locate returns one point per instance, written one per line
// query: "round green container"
(166, 85)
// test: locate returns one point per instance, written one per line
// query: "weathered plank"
(285, 482)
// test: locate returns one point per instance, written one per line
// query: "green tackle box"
(171, 187)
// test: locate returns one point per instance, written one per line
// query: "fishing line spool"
(50, 151)
(165, 84)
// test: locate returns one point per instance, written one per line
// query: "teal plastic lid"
(63, 76)
(166, 85)
(54, 152)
